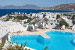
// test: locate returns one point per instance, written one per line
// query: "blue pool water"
(58, 41)
(33, 41)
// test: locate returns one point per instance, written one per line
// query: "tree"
(73, 17)
(67, 14)
(25, 43)
(58, 16)
(10, 17)
(7, 19)
(30, 14)
(44, 15)
(17, 47)
(63, 22)
(20, 17)
(1, 46)
(46, 48)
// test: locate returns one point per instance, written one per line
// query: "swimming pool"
(33, 41)
(58, 41)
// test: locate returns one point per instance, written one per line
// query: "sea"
(9, 11)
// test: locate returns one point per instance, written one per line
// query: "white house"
(3, 36)
(73, 28)
(11, 26)
(67, 20)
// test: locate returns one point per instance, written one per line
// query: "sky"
(40, 3)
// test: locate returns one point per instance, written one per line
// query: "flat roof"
(3, 33)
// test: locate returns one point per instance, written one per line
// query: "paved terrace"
(39, 32)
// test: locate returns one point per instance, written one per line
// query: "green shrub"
(25, 48)
(44, 15)
(1, 46)
(46, 48)
(10, 17)
(28, 49)
(17, 47)
(58, 16)
(7, 19)
(73, 17)
(51, 23)
(20, 17)
(66, 14)
(63, 22)
(30, 14)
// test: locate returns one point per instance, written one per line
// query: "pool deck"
(45, 35)
(39, 32)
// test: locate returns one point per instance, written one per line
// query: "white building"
(3, 36)
(73, 28)
(67, 20)
(50, 16)
(11, 26)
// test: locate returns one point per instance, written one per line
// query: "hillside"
(20, 7)
(70, 6)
